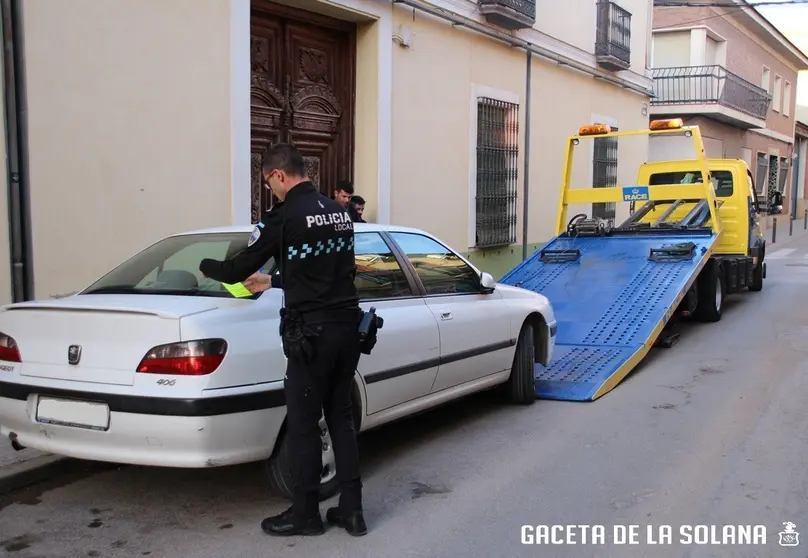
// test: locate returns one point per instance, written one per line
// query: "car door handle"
(445, 315)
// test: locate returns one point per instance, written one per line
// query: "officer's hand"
(258, 282)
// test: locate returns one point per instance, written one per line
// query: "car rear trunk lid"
(109, 334)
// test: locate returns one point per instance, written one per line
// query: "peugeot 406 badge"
(74, 354)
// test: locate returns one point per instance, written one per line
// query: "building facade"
(735, 75)
(800, 178)
(149, 117)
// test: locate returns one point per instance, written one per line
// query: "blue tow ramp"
(611, 304)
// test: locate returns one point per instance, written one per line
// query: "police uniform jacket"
(311, 238)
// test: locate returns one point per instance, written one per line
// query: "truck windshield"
(171, 267)
(722, 180)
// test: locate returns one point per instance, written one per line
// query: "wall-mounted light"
(405, 36)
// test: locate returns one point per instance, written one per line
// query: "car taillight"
(9, 351)
(190, 358)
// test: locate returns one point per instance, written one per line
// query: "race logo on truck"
(635, 193)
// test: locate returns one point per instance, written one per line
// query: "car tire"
(521, 385)
(711, 293)
(279, 468)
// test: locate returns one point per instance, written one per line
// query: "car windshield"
(171, 267)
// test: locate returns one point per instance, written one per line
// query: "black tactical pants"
(323, 385)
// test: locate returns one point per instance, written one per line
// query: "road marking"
(780, 253)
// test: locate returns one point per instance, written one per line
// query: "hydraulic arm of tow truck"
(672, 195)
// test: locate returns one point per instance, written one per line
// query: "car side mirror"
(487, 282)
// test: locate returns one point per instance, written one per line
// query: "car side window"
(378, 273)
(440, 270)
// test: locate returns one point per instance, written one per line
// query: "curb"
(31, 471)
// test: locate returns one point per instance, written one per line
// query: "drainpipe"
(527, 153)
(16, 112)
(795, 176)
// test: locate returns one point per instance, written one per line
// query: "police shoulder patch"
(255, 234)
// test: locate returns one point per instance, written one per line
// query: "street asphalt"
(710, 432)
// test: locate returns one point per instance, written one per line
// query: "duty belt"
(321, 316)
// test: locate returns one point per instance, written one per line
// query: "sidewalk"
(782, 237)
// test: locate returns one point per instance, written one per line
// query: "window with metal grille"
(761, 172)
(613, 32)
(774, 170)
(781, 183)
(497, 172)
(604, 173)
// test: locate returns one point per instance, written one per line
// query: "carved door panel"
(302, 92)
(268, 105)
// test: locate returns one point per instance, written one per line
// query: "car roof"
(358, 227)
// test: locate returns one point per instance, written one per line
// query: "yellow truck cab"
(741, 246)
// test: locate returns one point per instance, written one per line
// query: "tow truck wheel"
(521, 385)
(279, 467)
(711, 293)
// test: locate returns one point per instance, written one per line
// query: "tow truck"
(616, 290)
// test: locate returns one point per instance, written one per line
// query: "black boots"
(352, 522)
(289, 524)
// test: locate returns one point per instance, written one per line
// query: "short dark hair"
(345, 186)
(358, 200)
(285, 157)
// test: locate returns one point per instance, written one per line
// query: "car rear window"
(171, 266)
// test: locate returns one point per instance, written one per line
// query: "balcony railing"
(509, 14)
(704, 85)
(613, 42)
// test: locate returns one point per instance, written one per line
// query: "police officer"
(311, 237)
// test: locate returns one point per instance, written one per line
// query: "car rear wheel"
(279, 468)
(521, 385)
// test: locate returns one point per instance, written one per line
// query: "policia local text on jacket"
(319, 267)
(311, 237)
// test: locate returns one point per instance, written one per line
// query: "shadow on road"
(247, 484)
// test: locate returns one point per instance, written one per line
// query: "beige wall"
(5, 250)
(130, 129)
(131, 124)
(366, 161)
(432, 125)
(671, 49)
(575, 23)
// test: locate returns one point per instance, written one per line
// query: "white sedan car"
(155, 365)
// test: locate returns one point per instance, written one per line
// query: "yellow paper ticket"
(238, 290)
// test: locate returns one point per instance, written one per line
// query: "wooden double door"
(302, 92)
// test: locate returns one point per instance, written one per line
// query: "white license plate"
(78, 414)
